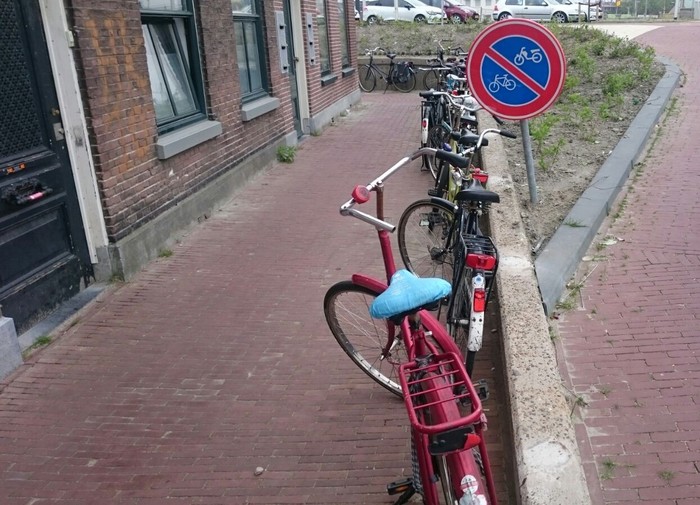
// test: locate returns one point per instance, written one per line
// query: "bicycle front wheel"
(438, 136)
(346, 307)
(368, 79)
(405, 83)
(431, 78)
(425, 239)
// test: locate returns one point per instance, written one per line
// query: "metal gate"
(43, 251)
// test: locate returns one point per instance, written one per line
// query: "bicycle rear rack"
(438, 381)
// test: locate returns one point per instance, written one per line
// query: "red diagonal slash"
(515, 71)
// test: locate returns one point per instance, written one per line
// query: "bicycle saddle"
(408, 293)
(476, 193)
(468, 139)
(391, 56)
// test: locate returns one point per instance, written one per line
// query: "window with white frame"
(323, 43)
(250, 48)
(174, 68)
(344, 41)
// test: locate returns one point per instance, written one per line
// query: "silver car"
(408, 10)
(538, 10)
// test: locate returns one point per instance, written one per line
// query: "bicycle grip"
(508, 134)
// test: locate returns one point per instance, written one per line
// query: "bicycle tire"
(425, 237)
(431, 79)
(346, 307)
(405, 84)
(367, 78)
(438, 135)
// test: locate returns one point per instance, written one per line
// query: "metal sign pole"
(529, 161)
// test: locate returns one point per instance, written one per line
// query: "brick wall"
(135, 186)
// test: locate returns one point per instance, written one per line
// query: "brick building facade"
(150, 114)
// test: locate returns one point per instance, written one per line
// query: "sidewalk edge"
(561, 256)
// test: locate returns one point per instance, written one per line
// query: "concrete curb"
(548, 463)
(547, 460)
(561, 256)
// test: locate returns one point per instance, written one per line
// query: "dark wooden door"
(43, 251)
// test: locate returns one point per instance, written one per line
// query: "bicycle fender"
(369, 282)
(448, 205)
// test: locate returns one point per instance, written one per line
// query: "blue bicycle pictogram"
(501, 81)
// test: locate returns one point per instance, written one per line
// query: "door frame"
(301, 53)
(60, 40)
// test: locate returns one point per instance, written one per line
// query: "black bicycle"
(401, 74)
(441, 237)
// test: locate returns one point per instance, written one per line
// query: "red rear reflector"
(481, 177)
(481, 261)
(424, 123)
(479, 300)
(360, 194)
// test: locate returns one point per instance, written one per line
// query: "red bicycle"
(408, 352)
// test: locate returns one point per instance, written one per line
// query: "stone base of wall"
(126, 257)
(10, 352)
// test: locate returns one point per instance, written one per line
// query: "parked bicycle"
(443, 113)
(443, 238)
(401, 74)
(407, 351)
(448, 61)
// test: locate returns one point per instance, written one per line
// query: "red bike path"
(173, 388)
(631, 349)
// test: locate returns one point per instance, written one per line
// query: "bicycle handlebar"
(347, 208)
(453, 100)
(375, 50)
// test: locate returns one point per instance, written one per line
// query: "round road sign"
(516, 68)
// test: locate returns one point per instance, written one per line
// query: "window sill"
(328, 79)
(173, 143)
(348, 71)
(257, 108)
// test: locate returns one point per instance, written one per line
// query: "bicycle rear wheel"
(346, 307)
(405, 83)
(458, 315)
(368, 79)
(425, 239)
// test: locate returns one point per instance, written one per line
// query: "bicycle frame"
(432, 407)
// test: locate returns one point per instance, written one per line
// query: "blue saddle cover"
(406, 293)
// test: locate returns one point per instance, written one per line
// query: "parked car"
(457, 12)
(409, 10)
(538, 10)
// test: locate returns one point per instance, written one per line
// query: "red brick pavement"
(632, 350)
(174, 387)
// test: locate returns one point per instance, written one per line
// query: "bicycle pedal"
(400, 486)
(482, 389)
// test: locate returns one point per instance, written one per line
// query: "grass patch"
(574, 223)
(286, 154)
(666, 476)
(165, 253)
(608, 468)
(42, 341)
